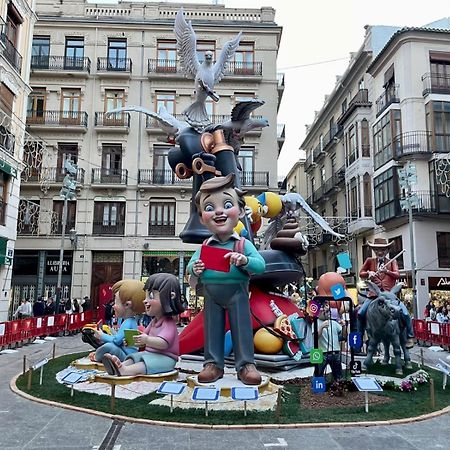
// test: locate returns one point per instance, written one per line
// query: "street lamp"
(407, 177)
(68, 192)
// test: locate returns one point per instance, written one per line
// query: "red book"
(213, 258)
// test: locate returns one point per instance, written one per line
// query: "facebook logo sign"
(318, 385)
(338, 291)
(354, 340)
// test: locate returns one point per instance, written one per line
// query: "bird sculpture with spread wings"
(206, 74)
(167, 122)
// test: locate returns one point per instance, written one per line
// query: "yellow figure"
(271, 204)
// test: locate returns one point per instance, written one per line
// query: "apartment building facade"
(391, 106)
(130, 207)
(16, 26)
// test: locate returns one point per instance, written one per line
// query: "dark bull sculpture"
(384, 325)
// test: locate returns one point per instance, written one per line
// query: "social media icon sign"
(318, 385)
(338, 291)
(316, 356)
(314, 308)
(354, 340)
(355, 368)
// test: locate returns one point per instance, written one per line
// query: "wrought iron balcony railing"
(109, 176)
(249, 178)
(412, 143)
(160, 177)
(108, 227)
(360, 99)
(389, 96)
(102, 119)
(7, 140)
(435, 83)
(57, 226)
(114, 65)
(47, 117)
(234, 68)
(8, 50)
(65, 63)
(161, 230)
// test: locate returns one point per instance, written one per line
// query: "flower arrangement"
(408, 384)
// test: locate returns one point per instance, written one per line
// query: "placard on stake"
(366, 385)
(244, 394)
(171, 388)
(206, 394)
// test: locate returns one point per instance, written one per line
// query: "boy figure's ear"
(241, 212)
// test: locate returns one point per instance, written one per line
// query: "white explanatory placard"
(171, 388)
(2, 329)
(50, 321)
(38, 322)
(244, 393)
(205, 394)
(367, 384)
(434, 328)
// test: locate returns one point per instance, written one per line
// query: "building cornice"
(403, 36)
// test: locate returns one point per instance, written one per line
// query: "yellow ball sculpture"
(267, 343)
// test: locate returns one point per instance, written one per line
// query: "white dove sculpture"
(206, 74)
(167, 122)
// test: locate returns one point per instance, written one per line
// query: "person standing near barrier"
(38, 307)
(24, 310)
(49, 308)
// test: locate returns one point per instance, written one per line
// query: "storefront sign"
(439, 283)
(5, 167)
(52, 266)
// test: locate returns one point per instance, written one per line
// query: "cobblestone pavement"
(29, 425)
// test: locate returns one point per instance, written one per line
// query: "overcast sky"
(322, 30)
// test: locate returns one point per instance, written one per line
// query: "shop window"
(443, 249)
(162, 218)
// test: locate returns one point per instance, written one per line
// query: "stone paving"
(30, 425)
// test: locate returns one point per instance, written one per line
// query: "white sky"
(323, 30)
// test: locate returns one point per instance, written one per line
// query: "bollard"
(24, 364)
(421, 358)
(278, 405)
(432, 397)
(30, 373)
(54, 350)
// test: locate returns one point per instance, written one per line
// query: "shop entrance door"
(104, 275)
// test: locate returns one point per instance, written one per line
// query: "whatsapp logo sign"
(316, 356)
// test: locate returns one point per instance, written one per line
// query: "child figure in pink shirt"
(160, 338)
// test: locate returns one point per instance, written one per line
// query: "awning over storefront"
(5, 253)
(5, 167)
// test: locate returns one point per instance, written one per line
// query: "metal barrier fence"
(432, 333)
(25, 330)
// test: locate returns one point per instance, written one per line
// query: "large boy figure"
(220, 207)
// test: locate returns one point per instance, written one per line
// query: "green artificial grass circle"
(289, 412)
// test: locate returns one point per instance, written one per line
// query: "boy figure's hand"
(238, 259)
(198, 267)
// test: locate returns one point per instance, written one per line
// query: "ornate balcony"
(435, 83)
(57, 64)
(9, 52)
(57, 226)
(389, 96)
(158, 177)
(170, 67)
(108, 227)
(161, 230)
(7, 140)
(114, 66)
(113, 122)
(412, 143)
(361, 99)
(254, 178)
(113, 177)
(49, 119)
(49, 175)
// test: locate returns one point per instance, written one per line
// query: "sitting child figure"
(160, 338)
(128, 302)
